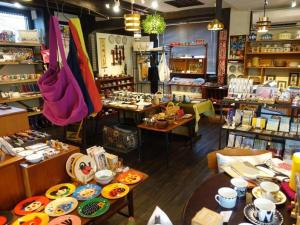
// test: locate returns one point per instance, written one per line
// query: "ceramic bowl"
(104, 176)
(34, 158)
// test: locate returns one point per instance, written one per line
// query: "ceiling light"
(294, 3)
(116, 7)
(215, 25)
(143, 1)
(107, 6)
(18, 5)
(154, 4)
(263, 24)
(132, 22)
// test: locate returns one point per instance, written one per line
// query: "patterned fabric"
(222, 56)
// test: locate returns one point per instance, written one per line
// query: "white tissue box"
(207, 217)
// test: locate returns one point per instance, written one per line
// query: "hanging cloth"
(63, 100)
(75, 68)
(163, 69)
(84, 63)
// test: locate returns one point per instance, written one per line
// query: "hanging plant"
(154, 24)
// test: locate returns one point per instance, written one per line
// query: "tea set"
(263, 209)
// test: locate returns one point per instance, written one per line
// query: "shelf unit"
(111, 84)
(20, 44)
(8, 100)
(267, 58)
(18, 81)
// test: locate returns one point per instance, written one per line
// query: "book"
(284, 124)
(273, 124)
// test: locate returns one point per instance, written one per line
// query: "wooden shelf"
(188, 85)
(119, 85)
(276, 40)
(113, 79)
(273, 67)
(18, 81)
(34, 113)
(18, 63)
(238, 60)
(20, 44)
(19, 99)
(193, 45)
(272, 53)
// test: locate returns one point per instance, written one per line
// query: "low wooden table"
(115, 206)
(189, 122)
(204, 196)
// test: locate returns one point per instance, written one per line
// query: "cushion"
(224, 160)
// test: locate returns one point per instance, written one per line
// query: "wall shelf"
(18, 81)
(20, 44)
(274, 40)
(272, 53)
(7, 100)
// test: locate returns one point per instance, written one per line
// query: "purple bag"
(63, 100)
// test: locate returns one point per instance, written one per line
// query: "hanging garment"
(63, 100)
(163, 69)
(85, 66)
(75, 68)
(153, 78)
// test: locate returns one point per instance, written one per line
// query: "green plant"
(154, 24)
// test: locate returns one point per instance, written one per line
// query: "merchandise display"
(93, 207)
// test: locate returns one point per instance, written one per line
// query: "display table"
(182, 122)
(204, 196)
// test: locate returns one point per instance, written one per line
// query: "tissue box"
(207, 217)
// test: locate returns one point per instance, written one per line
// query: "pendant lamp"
(263, 24)
(132, 21)
(215, 24)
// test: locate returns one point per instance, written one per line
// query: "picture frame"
(270, 77)
(293, 79)
(281, 84)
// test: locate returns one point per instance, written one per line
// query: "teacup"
(226, 197)
(264, 210)
(269, 190)
(240, 185)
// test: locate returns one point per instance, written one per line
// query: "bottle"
(295, 169)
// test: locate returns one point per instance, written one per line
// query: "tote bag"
(63, 101)
(163, 69)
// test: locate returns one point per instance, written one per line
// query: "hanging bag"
(163, 69)
(63, 101)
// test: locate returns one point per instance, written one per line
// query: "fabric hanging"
(163, 69)
(85, 66)
(63, 100)
(74, 66)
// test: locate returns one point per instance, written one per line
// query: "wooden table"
(204, 196)
(115, 206)
(189, 122)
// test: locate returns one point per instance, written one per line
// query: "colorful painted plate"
(66, 220)
(61, 206)
(130, 177)
(115, 191)
(280, 197)
(33, 219)
(70, 162)
(85, 168)
(5, 217)
(60, 190)
(87, 192)
(93, 207)
(31, 205)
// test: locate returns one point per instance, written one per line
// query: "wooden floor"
(170, 187)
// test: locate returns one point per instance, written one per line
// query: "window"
(13, 21)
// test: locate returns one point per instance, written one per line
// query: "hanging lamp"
(132, 21)
(215, 24)
(263, 24)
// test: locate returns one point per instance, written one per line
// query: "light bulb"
(116, 7)
(154, 4)
(107, 6)
(294, 3)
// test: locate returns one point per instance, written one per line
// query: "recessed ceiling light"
(107, 6)
(294, 3)
(18, 5)
(154, 4)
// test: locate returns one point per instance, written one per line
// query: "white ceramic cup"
(240, 185)
(269, 190)
(264, 210)
(226, 197)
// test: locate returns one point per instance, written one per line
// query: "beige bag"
(172, 109)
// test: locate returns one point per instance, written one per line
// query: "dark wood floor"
(170, 187)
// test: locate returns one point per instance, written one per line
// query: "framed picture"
(281, 85)
(237, 46)
(293, 79)
(270, 77)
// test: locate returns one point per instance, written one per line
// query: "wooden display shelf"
(274, 40)
(19, 63)
(35, 113)
(188, 85)
(273, 67)
(20, 44)
(116, 86)
(19, 99)
(18, 81)
(272, 53)
(113, 79)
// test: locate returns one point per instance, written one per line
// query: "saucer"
(280, 198)
(249, 211)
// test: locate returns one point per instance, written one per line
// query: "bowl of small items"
(104, 176)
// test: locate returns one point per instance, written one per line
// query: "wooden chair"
(212, 156)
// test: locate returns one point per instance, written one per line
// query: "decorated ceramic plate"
(84, 169)
(124, 40)
(66, 220)
(30, 205)
(5, 217)
(70, 162)
(111, 39)
(130, 177)
(280, 197)
(115, 191)
(61, 206)
(86, 192)
(93, 207)
(33, 219)
(60, 190)
(249, 212)
(118, 39)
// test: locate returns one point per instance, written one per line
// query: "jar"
(255, 62)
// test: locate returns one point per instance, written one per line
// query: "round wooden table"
(204, 196)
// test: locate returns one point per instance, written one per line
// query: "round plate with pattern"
(5, 217)
(249, 212)
(118, 39)
(61, 206)
(111, 39)
(280, 197)
(115, 191)
(66, 220)
(33, 219)
(30, 205)
(60, 190)
(84, 169)
(70, 162)
(130, 177)
(124, 40)
(87, 192)
(93, 207)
